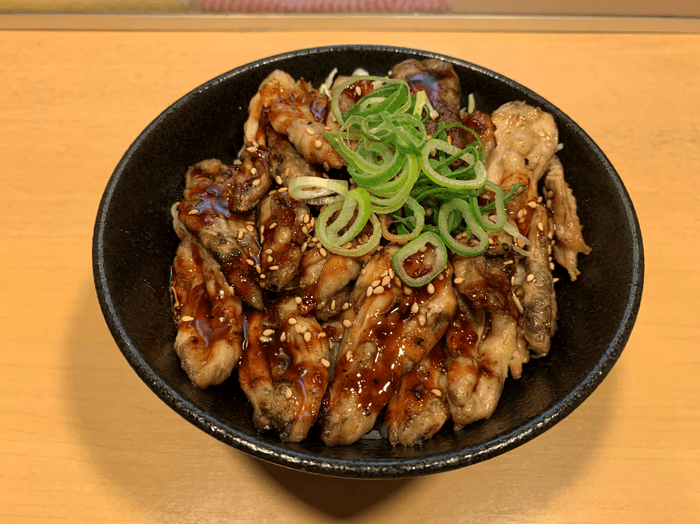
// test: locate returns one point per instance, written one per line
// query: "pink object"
(327, 6)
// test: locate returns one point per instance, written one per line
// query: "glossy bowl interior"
(134, 246)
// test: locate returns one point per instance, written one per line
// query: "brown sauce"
(212, 318)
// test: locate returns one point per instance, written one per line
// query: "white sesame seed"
(423, 249)
(240, 234)
(305, 230)
(288, 393)
(370, 290)
(283, 190)
(326, 166)
(415, 308)
(306, 219)
(375, 283)
(363, 272)
(551, 266)
(531, 204)
(187, 318)
(258, 269)
(555, 279)
(274, 268)
(253, 171)
(283, 336)
(431, 288)
(256, 182)
(437, 392)
(307, 336)
(421, 320)
(310, 131)
(333, 305)
(304, 246)
(323, 252)
(264, 340)
(298, 329)
(347, 323)
(250, 228)
(193, 212)
(322, 334)
(318, 144)
(268, 332)
(530, 277)
(292, 321)
(386, 280)
(297, 300)
(348, 355)
(358, 90)
(345, 306)
(250, 262)
(407, 290)
(278, 179)
(458, 280)
(378, 290)
(325, 363)
(507, 262)
(540, 226)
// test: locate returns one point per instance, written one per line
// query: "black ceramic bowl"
(134, 246)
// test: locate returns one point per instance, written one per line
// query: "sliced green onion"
(446, 226)
(413, 247)
(418, 220)
(442, 180)
(311, 187)
(340, 249)
(399, 174)
(354, 214)
(501, 217)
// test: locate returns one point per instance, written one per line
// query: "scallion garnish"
(400, 172)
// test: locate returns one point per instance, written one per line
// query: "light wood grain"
(82, 439)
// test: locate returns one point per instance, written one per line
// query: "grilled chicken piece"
(206, 212)
(325, 276)
(387, 332)
(284, 224)
(418, 409)
(526, 139)
(441, 85)
(286, 163)
(284, 370)
(539, 301)
(567, 228)
(208, 315)
(485, 282)
(483, 126)
(477, 369)
(297, 110)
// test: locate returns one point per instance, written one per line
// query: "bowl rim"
(284, 455)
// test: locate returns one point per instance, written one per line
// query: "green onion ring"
(413, 247)
(446, 228)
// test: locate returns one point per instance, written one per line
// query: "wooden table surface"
(82, 439)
